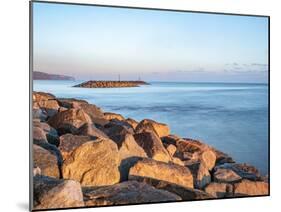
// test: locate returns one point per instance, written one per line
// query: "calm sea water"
(231, 117)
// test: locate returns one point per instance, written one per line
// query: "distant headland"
(110, 84)
(37, 75)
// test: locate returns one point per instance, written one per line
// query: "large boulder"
(117, 130)
(49, 106)
(46, 161)
(130, 152)
(41, 96)
(153, 146)
(250, 188)
(130, 192)
(68, 143)
(69, 121)
(147, 168)
(94, 163)
(37, 113)
(201, 174)
(220, 190)
(224, 175)
(39, 135)
(148, 125)
(51, 193)
(244, 170)
(110, 116)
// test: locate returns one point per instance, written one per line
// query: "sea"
(232, 117)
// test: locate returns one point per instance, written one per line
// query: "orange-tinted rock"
(50, 133)
(39, 135)
(68, 143)
(91, 130)
(69, 121)
(130, 192)
(171, 149)
(148, 125)
(132, 122)
(149, 168)
(94, 163)
(220, 190)
(201, 175)
(153, 146)
(41, 96)
(109, 116)
(223, 175)
(71, 102)
(51, 193)
(50, 106)
(46, 161)
(250, 188)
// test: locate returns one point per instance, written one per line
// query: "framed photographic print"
(144, 105)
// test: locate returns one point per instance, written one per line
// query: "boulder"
(51, 193)
(46, 161)
(171, 149)
(251, 188)
(208, 158)
(69, 121)
(41, 96)
(224, 175)
(50, 133)
(109, 116)
(95, 113)
(220, 190)
(37, 113)
(148, 125)
(184, 192)
(68, 143)
(39, 135)
(94, 163)
(132, 122)
(149, 168)
(130, 192)
(153, 146)
(130, 152)
(71, 103)
(201, 175)
(49, 106)
(177, 161)
(91, 130)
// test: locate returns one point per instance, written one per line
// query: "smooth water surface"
(231, 117)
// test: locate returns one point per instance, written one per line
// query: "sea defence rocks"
(130, 192)
(56, 193)
(146, 168)
(118, 160)
(110, 84)
(94, 163)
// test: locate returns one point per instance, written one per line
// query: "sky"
(100, 43)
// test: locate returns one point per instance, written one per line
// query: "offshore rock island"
(110, 84)
(83, 156)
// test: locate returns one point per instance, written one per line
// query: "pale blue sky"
(90, 42)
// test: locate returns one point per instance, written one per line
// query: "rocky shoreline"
(86, 157)
(110, 84)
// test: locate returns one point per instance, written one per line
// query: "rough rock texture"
(220, 190)
(130, 192)
(91, 130)
(171, 149)
(148, 125)
(153, 146)
(49, 106)
(42, 96)
(184, 192)
(201, 175)
(69, 121)
(149, 168)
(46, 161)
(50, 133)
(37, 113)
(39, 135)
(71, 102)
(109, 116)
(250, 188)
(94, 163)
(130, 152)
(132, 122)
(117, 130)
(54, 193)
(223, 175)
(69, 142)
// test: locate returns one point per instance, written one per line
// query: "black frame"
(126, 7)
